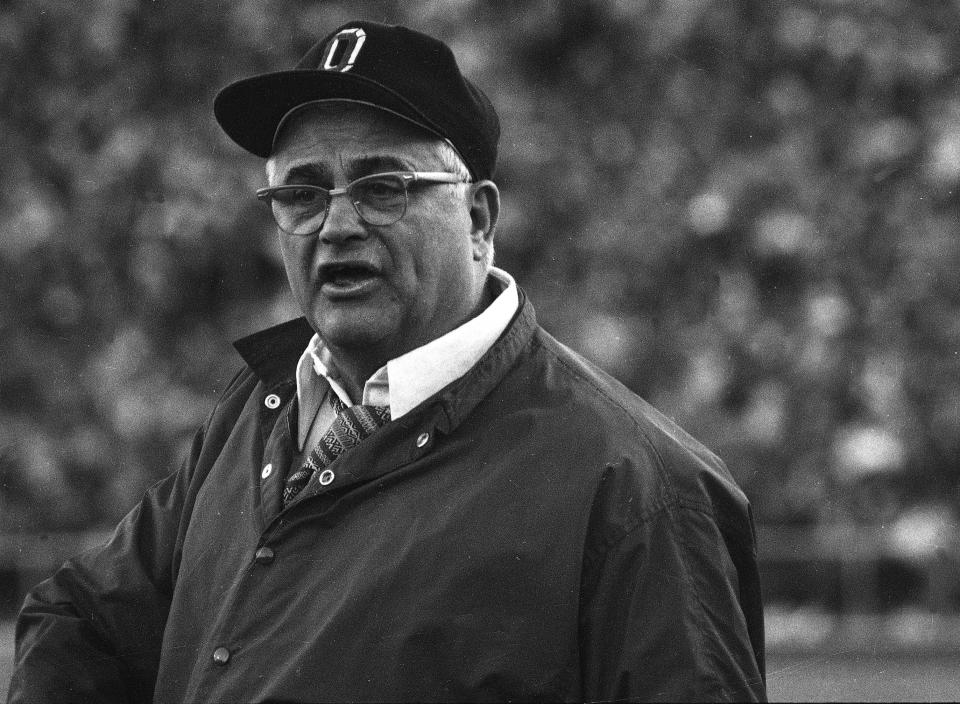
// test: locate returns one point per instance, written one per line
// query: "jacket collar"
(272, 354)
(462, 396)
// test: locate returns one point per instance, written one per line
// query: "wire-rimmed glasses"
(379, 199)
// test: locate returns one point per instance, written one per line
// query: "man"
(413, 493)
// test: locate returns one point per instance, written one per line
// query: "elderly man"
(413, 492)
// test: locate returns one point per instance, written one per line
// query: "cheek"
(296, 259)
(450, 277)
(431, 253)
(432, 264)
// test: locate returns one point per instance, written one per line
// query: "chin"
(355, 331)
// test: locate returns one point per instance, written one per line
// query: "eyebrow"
(317, 173)
(366, 165)
(314, 174)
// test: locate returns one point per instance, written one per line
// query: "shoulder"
(646, 462)
(623, 416)
(235, 395)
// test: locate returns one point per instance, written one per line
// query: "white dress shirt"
(405, 382)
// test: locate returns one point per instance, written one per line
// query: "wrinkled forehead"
(338, 132)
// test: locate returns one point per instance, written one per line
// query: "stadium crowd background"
(745, 210)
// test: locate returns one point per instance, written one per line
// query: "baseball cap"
(390, 67)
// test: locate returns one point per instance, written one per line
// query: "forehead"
(338, 137)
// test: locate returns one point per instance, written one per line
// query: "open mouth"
(346, 276)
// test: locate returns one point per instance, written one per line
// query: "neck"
(355, 370)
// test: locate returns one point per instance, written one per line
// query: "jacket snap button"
(272, 402)
(326, 477)
(263, 556)
(267, 471)
(221, 656)
(423, 439)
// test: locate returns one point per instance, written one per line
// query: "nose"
(343, 223)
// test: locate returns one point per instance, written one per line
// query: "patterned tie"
(352, 426)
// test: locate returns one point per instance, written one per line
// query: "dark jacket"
(533, 531)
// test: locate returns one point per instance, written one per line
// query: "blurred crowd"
(745, 210)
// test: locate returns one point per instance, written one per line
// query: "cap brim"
(251, 110)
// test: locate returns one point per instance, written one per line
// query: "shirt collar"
(407, 381)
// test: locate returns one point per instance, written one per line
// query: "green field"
(791, 677)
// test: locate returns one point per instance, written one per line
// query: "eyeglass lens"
(380, 201)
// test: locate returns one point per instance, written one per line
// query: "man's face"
(378, 291)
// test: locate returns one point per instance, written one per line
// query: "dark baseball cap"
(393, 68)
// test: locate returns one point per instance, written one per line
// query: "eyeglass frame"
(407, 178)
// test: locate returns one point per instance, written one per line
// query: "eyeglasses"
(379, 199)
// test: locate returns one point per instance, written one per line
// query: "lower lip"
(351, 289)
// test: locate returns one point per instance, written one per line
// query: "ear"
(484, 213)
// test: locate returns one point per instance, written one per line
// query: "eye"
(298, 197)
(380, 189)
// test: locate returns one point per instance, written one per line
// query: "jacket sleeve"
(92, 632)
(670, 609)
